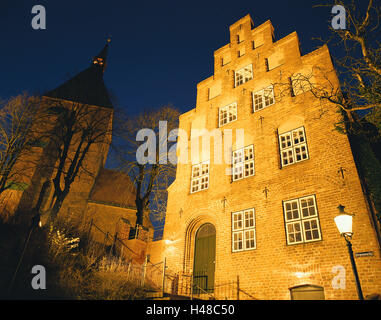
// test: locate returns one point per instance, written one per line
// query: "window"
(267, 64)
(227, 114)
(302, 221)
(241, 52)
(263, 98)
(243, 163)
(243, 230)
(226, 58)
(293, 146)
(215, 89)
(200, 177)
(243, 75)
(275, 60)
(240, 36)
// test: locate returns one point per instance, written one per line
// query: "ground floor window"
(243, 230)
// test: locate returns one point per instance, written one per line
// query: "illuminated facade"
(271, 221)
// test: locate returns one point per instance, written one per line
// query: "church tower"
(88, 86)
(85, 90)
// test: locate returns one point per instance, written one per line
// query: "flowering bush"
(59, 244)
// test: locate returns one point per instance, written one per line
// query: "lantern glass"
(344, 223)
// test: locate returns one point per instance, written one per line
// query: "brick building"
(107, 197)
(271, 221)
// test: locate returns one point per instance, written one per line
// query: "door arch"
(204, 258)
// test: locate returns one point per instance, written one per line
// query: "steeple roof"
(87, 86)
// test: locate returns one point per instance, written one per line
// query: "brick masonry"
(273, 267)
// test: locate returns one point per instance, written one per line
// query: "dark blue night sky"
(159, 51)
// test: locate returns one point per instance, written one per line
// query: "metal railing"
(186, 285)
(159, 279)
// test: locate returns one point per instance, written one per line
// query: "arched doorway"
(204, 258)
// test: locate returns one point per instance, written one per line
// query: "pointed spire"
(87, 86)
(101, 59)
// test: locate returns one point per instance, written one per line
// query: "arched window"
(307, 292)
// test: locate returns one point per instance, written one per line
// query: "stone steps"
(158, 295)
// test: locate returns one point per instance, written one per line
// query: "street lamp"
(344, 224)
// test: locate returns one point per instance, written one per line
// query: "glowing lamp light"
(344, 222)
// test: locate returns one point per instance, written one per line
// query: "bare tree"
(79, 131)
(356, 54)
(18, 118)
(357, 61)
(150, 177)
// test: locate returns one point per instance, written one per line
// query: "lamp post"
(344, 225)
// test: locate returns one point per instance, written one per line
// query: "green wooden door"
(204, 258)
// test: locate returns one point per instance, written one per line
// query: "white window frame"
(293, 147)
(228, 113)
(243, 164)
(243, 75)
(298, 218)
(243, 223)
(200, 177)
(263, 98)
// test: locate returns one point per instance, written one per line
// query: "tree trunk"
(56, 207)
(139, 212)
